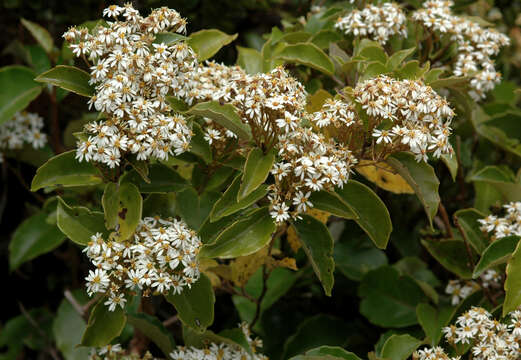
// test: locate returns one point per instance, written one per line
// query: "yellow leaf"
(287, 262)
(293, 241)
(319, 214)
(244, 267)
(316, 100)
(384, 176)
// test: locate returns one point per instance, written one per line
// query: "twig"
(20, 178)
(50, 349)
(79, 309)
(446, 221)
(466, 241)
(170, 321)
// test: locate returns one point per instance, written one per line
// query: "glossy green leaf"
(249, 59)
(40, 34)
(332, 203)
(421, 177)
(219, 178)
(18, 90)
(318, 245)
(130, 207)
(168, 38)
(224, 115)
(228, 203)
(500, 180)
(162, 205)
(33, 238)
(513, 282)
(373, 216)
(256, 171)
(374, 53)
(199, 146)
(324, 37)
(451, 254)
(103, 325)
(163, 179)
(398, 57)
(335, 351)
(195, 208)
(433, 320)
(400, 347)
(195, 305)
(69, 78)
(498, 252)
(388, 299)
(79, 223)
(307, 54)
(206, 43)
(64, 170)
(468, 221)
(243, 237)
(452, 164)
(110, 202)
(153, 329)
(354, 258)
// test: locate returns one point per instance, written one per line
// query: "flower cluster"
(221, 351)
(406, 115)
(23, 128)
(376, 22)
(508, 225)
(489, 338)
(160, 257)
(133, 73)
(475, 44)
(116, 352)
(461, 289)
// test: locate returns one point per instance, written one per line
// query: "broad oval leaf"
(332, 203)
(153, 329)
(130, 208)
(355, 257)
(513, 282)
(249, 59)
(18, 90)
(224, 115)
(498, 252)
(110, 202)
(243, 237)
(398, 57)
(199, 146)
(256, 171)
(79, 223)
(69, 78)
(162, 178)
(168, 38)
(372, 214)
(334, 351)
(195, 208)
(318, 246)
(422, 179)
(40, 34)
(206, 43)
(228, 203)
(400, 347)
(64, 170)
(467, 219)
(307, 54)
(433, 320)
(195, 305)
(33, 238)
(103, 325)
(451, 254)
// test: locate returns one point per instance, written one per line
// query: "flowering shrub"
(203, 186)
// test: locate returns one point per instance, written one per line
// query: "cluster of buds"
(133, 73)
(475, 44)
(23, 128)
(159, 258)
(508, 225)
(459, 290)
(405, 115)
(378, 23)
(222, 351)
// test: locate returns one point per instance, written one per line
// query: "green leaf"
(400, 347)
(452, 81)
(388, 299)
(374, 53)
(433, 321)
(162, 205)
(356, 257)
(243, 237)
(224, 115)
(452, 164)
(249, 59)
(130, 207)
(219, 178)
(398, 57)
(318, 246)
(33, 238)
(153, 329)
(323, 38)
(500, 180)
(195, 305)
(498, 252)
(67, 328)
(237, 336)
(228, 203)
(307, 54)
(256, 171)
(177, 104)
(421, 177)
(64, 170)
(468, 221)
(411, 70)
(373, 69)
(451, 254)
(69, 78)
(168, 38)
(18, 90)
(335, 351)
(199, 146)
(206, 43)
(163, 179)
(79, 223)
(110, 202)
(513, 282)
(103, 325)
(373, 216)
(332, 203)
(40, 34)
(195, 208)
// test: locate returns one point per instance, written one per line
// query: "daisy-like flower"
(23, 128)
